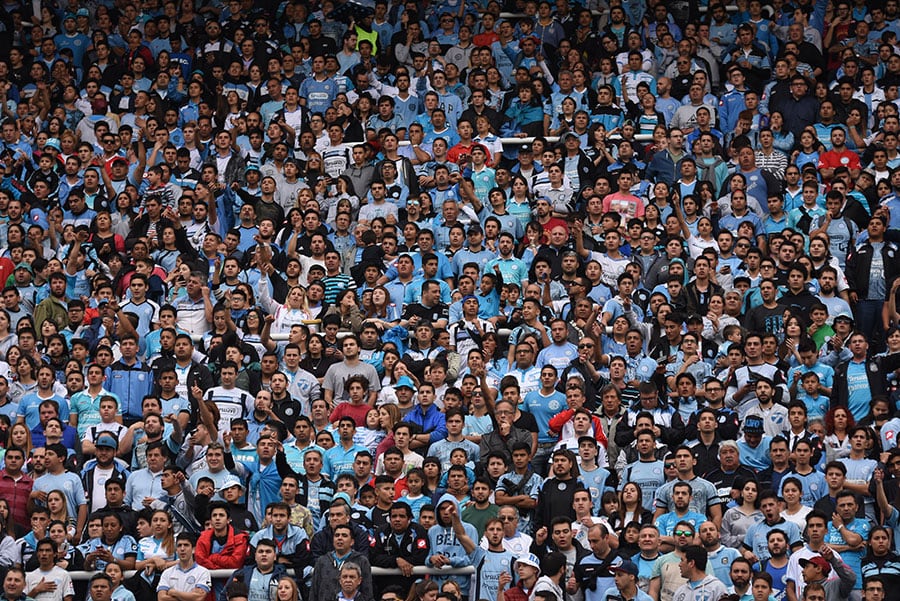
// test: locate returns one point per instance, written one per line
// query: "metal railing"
(551, 139)
(417, 571)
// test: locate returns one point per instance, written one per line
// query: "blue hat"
(107, 440)
(626, 566)
(53, 143)
(82, 12)
(405, 381)
(342, 495)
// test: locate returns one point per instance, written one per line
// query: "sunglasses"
(669, 466)
(683, 533)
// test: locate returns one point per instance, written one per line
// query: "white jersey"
(232, 404)
(176, 579)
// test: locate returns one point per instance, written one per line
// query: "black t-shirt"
(526, 422)
(429, 314)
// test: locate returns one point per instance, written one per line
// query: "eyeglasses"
(507, 518)
(683, 533)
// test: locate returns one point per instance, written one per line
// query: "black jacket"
(876, 370)
(323, 544)
(385, 551)
(859, 267)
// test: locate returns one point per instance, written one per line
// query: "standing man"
(186, 580)
(871, 270)
(57, 478)
(338, 373)
(700, 585)
(15, 485)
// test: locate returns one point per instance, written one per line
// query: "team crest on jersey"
(421, 543)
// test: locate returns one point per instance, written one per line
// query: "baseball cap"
(753, 424)
(844, 317)
(626, 566)
(530, 559)
(404, 382)
(107, 440)
(342, 496)
(231, 481)
(53, 143)
(526, 148)
(568, 135)
(819, 562)
(25, 266)
(83, 12)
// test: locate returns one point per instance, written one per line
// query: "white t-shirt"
(57, 575)
(98, 496)
(176, 579)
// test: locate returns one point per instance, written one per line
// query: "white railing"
(551, 139)
(417, 571)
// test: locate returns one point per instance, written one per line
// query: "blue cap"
(342, 495)
(107, 440)
(626, 566)
(405, 381)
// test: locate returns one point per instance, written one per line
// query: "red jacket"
(560, 419)
(231, 557)
(16, 495)
(517, 593)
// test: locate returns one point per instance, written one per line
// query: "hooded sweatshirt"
(443, 541)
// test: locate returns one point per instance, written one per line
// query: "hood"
(446, 498)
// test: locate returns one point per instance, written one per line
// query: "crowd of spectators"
(599, 299)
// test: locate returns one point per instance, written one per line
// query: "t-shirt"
(649, 476)
(338, 373)
(58, 576)
(853, 558)
(185, 581)
(704, 496)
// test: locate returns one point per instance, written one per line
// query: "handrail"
(417, 571)
(730, 8)
(551, 139)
